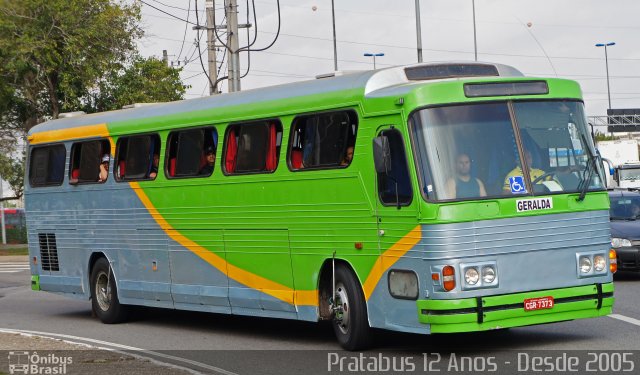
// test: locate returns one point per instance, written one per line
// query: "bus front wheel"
(350, 321)
(104, 294)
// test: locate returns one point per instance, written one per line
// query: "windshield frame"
(517, 134)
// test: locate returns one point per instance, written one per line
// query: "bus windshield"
(475, 151)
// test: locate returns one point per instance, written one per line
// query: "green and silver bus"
(432, 198)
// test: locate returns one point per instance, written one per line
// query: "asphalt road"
(212, 343)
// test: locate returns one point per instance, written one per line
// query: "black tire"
(104, 294)
(351, 323)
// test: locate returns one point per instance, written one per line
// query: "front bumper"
(503, 311)
(628, 258)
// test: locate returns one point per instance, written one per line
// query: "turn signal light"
(448, 278)
(613, 261)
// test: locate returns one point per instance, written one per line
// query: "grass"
(14, 250)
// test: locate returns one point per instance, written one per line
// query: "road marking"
(146, 354)
(13, 267)
(625, 319)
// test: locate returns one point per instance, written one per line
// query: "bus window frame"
(392, 128)
(328, 167)
(117, 154)
(265, 122)
(168, 146)
(33, 148)
(71, 156)
(516, 128)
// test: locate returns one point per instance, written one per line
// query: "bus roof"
(369, 82)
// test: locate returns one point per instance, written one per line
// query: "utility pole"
(165, 56)
(211, 46)
(231, 10)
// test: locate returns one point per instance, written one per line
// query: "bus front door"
(396, 212)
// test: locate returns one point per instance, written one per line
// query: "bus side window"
(323, 140)
(137, 157)
(191, 152)
(47, 166)
(86, 158)
(394, 186)
(252, 147)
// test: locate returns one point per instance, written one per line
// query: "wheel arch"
(325, 284)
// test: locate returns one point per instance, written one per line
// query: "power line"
(175, 7)
(186, 26)
(167, 13)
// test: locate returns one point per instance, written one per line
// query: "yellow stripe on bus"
(89, 131)
(389, 258)
(276, 290)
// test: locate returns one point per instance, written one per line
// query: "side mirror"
(381, 154)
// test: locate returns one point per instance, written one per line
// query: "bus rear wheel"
(350, 320)
(104, 294)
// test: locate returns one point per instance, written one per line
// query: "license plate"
(531, 304)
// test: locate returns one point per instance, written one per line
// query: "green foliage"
(603, 137)
(70, 55)
(144, 80)
(55, 50)
(16, 235)
(12, 171)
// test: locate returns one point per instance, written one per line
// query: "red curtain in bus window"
(121, 169)
(172, 167)
(271, 151)
(296, 158)
(232, 152)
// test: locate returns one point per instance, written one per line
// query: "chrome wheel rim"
(341, 315)
(103, 291)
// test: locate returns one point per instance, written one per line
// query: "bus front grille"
(48, 252)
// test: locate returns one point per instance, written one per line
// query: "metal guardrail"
(616, 120)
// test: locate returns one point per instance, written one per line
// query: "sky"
(545, 38)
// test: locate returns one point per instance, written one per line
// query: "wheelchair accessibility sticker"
(517, 185)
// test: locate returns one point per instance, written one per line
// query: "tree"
(12, 171)
(55, 50)
(143, 80)
(69, 55)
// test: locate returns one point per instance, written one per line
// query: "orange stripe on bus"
(89, 131)
(389, 258)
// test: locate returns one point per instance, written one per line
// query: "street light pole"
(374, 57)
(606, 62)
(475, 40)
(335, 46)
(4, 232)
(418, 31)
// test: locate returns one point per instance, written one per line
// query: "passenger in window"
(154, 167)
(104, 168)
(517, 171)
(210, 156)
(464, 185)
(348, 156)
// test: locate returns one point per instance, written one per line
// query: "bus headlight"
(585, 265)
(620, 242)
(488, 274)
(471, 276)
(599, 263)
